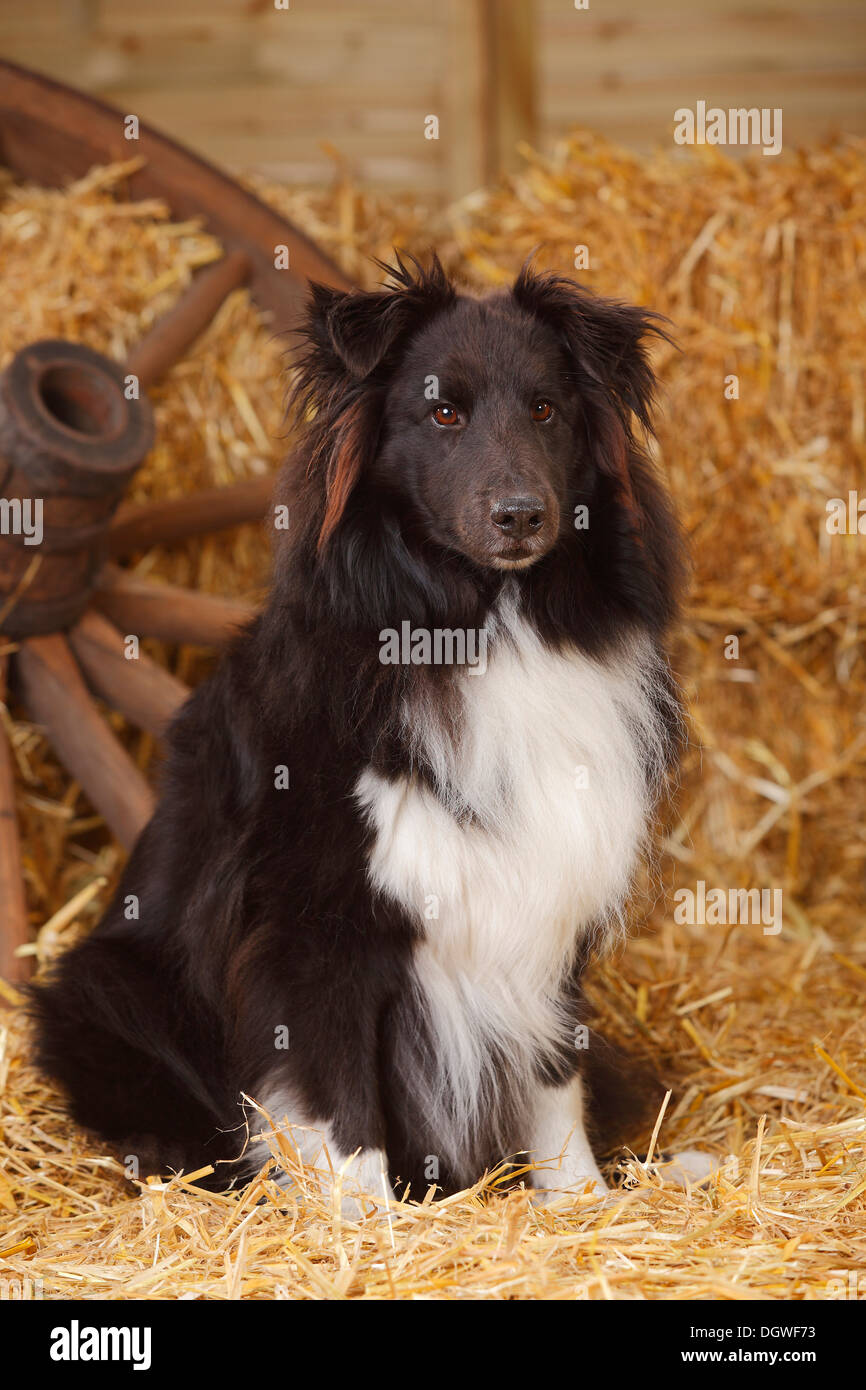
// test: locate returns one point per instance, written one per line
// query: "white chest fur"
(530, 841)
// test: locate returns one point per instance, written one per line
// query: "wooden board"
(254, 88)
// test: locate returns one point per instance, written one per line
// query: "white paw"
(690, 1166)
(362, 1208)
(361, 1185)
(550, 1187)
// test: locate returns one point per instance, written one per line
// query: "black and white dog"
(410, 801)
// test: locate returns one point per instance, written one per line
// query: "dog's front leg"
(558, 1141)
(358, 1174)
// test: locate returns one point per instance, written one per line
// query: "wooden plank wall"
(253, 87)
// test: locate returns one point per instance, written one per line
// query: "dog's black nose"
(517, 517)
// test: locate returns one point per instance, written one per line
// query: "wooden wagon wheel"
(71, 437)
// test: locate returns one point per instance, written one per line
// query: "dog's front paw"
(689, 1166)
(550, 1187)
(360, 1186)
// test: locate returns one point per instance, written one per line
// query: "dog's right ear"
(357, 329)
(349, 336)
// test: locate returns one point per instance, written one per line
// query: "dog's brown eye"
(541, 411)
(445, 415)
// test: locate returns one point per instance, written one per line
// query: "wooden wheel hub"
(70, 441)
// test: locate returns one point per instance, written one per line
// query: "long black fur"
(245, 907)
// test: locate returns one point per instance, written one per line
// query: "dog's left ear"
(606, 341)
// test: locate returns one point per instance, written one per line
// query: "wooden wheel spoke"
(57, 698)
(143, 692)
(169, 339)
(14, 927)
(138, 527)
(167, 612)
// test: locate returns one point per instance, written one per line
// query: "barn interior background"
(555, 131)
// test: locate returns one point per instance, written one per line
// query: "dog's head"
(497, 432)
